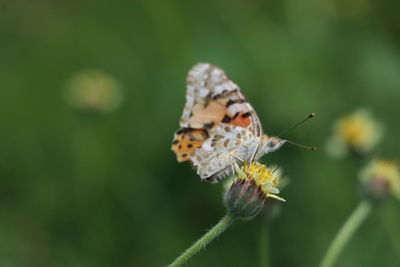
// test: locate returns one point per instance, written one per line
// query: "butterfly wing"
(228, 144)
(186, 141)
(212, 98)
(213, 102)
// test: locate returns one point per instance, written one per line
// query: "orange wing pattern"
(212, 99)
(186, 141)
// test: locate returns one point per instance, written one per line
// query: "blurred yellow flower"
(357, 133)
(381, 178)
(94, 90)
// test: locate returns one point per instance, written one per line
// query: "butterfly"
(218, 126)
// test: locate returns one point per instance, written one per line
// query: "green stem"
(346, 232)
(264, 245)
(389, 219)
(203, 241)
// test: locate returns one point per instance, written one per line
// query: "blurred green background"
(104, 189)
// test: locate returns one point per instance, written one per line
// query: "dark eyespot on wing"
(220, 95)
(231, 102)
(186, 141)
(182, 130)
(226, 119)
(245, 115)
(209, 125)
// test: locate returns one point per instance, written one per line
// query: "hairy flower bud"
(246, 197)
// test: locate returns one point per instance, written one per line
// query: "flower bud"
(380, 179)
(246, 197)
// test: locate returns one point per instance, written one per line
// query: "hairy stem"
(203, 241)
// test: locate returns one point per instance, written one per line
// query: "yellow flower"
(262, 176)
(247, 194)
(380, 179)
(94, 90)
(357, 132)
(277, 172)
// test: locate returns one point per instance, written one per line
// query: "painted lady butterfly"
(218, 125)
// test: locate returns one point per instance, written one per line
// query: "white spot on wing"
(203, 92)
(237, 107)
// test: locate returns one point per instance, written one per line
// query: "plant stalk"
(203, 241)
(346, 232)
(264, 245)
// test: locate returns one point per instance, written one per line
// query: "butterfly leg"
(254, 152)
(236, 157)
(233, 158)
(232, 163)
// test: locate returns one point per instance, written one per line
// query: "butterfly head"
(270, 144)
(274, 143)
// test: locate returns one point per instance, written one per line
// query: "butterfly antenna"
(312, 148)
(312, 115)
